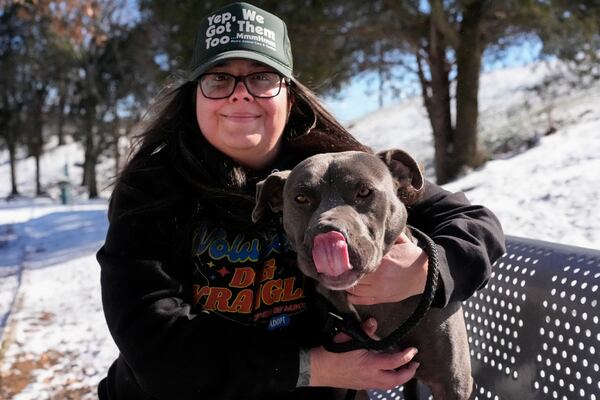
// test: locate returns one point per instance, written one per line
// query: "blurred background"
(499, 99)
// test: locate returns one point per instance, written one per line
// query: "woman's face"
(247, 129)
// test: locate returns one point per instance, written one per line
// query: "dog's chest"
(389, 316)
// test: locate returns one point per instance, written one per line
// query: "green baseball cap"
(241, 30)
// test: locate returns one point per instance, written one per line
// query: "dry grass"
(25, 368)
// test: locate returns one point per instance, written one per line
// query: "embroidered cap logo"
(241, 30)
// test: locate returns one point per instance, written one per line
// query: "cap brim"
(249, 55)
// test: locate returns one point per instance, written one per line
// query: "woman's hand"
(361, 369)
(401, 274)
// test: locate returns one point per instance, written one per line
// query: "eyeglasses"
(220, 85)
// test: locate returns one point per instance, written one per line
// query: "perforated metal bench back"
(534, 331)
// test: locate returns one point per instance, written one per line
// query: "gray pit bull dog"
(342, 212)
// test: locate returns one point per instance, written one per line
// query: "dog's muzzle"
(330, 254)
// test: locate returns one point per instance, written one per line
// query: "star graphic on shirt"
(210, 264)
(223, 271)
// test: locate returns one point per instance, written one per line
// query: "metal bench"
(534, 331)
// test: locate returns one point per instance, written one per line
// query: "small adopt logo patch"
(278, 322)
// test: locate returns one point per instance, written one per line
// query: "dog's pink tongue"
(330, 253)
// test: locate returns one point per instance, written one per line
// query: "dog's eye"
(364, 192)
(301, 199)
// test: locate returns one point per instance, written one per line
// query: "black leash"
(348, 324)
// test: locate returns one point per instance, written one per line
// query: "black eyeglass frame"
(242, 78)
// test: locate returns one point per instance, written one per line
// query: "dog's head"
(342, 211)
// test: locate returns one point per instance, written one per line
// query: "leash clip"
(349, 327)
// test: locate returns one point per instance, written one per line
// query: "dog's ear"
(406, 172)
(269, 192)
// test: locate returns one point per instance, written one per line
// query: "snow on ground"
(55, 344)
(561, 180)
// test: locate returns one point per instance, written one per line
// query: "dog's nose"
(327, 225)
(324, 228)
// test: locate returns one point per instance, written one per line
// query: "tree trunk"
(90, 152)
(468, 61)
(89, 170)
(38, 186)
(62, 100)
(84, 176)
(12, 150)
(37, 138)
(436, 96)
(7, 132)
(90, 167)
(116, 136)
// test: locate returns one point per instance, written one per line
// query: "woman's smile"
(241, 117)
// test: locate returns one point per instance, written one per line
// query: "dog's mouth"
(341, 282)
(330, 254)
(332, 261)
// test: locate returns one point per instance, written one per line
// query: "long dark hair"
(170, 126)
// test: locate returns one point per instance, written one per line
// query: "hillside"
(542, 187)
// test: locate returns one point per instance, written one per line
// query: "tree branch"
(440, 21)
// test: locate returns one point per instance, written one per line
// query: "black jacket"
(202, 307)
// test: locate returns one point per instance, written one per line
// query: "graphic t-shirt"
(246, 276)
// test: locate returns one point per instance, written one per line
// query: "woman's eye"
(220, 77)
(364, 192)
(259, 76)
(264, 76)
(301, 199)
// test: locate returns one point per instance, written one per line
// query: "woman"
(203, 303)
